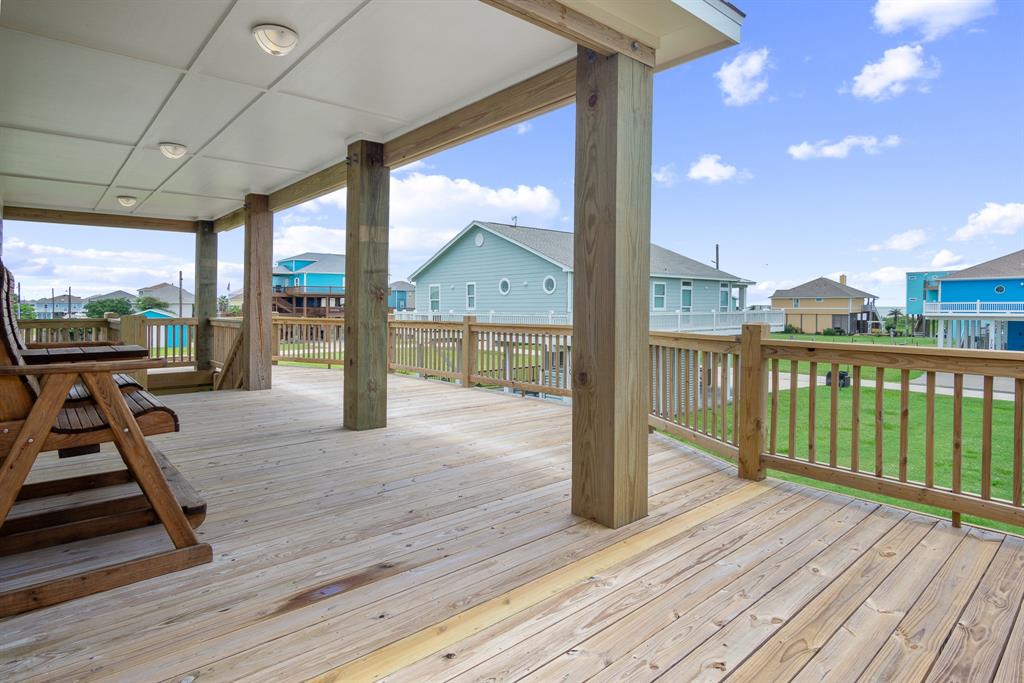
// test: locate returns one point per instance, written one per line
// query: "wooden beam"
(577, 27)
(257, 327)
(753, 407)
(366, 287)
(611, 376)
(548, 90)
(102, 220)
(206, 292)
(320, 183)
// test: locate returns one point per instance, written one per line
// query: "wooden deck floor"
(442, 548)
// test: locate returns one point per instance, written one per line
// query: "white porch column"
(941, 342)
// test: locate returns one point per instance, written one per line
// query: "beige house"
(822, 304)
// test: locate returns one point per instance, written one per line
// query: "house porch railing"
(974, 307)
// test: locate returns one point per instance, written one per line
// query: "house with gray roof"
(309, 284)
(822, 304)
(512, 270)
(982, 306)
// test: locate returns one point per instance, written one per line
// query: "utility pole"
(718, 263)
(180, 309)
(53, 304)
(69, 301)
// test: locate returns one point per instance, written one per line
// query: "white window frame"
(1000, 289)
(554, 284)
(724, 288)
(819, 299)
(468, 296)
(686, 286)
(507, 283)
(654, 295)
(430, 298)
(796, 302)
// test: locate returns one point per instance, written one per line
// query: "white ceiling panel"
(49, 193)
(413, 58)
(148, 168)
(234, 55)
(290, 132)
(64, 88)
(44, 155)
(170, 205)
(165, 32)
(198, 109)
(231, 179)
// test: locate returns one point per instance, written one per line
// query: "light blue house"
(310, 284)
(922, 288)
(982, 306)
(402, 296)
(493, 269)
(61, 306)
(169, 336)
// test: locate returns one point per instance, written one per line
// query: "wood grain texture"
(205, 292)
(610, 298)
(256, 306)
(753, 406)
(366, 287)
(102, 220)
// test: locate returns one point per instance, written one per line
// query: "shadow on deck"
(443, 548)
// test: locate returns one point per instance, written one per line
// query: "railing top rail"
(535, 328)
(62, 322)
(426, 323)
(308, 320)
(171, 321)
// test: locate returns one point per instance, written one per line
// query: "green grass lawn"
(1002, 436)
(891, 374)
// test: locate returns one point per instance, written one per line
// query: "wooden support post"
(469, 344)
(256, 314)
(366, 287)
(611, 375)
(206, 292)
(752, 397)
(135, 330)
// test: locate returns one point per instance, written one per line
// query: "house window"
(724, 296)
(686, 296)
(796, 303)
(504, 286)
(549, 285)
(658, 296)
(818, 299)
(1000, 289)
(435, 298)
(296, 281)
(470, 296)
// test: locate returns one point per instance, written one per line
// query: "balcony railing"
(974, 307)
(313, 290)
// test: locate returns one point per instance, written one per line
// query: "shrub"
(792, 329)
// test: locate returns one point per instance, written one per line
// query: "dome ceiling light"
(126, 200)
(274, 39)
(173, 150)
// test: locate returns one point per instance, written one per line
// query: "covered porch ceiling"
(91, 89)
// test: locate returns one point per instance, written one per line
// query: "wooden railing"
(309, 340)
(65, 330)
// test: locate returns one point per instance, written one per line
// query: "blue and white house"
(982, 306)
(507, 273)
(922, 288)
(60, 306)
(311, 283)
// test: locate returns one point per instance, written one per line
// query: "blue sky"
(865, 138)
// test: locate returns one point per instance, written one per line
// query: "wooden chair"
(67, 405)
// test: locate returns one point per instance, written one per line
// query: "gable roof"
(116, 294)
(321, 263)
(402, 286)
(825, 288)
(557, 246)
(1010, 265)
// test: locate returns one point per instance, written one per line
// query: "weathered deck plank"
(332, 546)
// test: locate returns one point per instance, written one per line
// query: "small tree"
(144, 303)
(26, 312)
(223, 303)
(893, 319)
(96, 309)
(234, 310)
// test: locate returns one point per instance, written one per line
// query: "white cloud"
(426, 210)
(934, 18)
(945, 257)
(825, 149)
(742, 80)
(710, 168)
(994, 219)
(899, 68)
(901, 241)
(666, 175)
(524, 128)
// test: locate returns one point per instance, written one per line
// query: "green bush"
(792, 329)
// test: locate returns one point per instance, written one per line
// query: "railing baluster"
(855, 421)
(986, 439)
(929, 430)
(833, 418)
(774, 417)
(812, 409)
(1018, 440)
(879, 420)
(958, 423)
(793, 384)
(904, 421)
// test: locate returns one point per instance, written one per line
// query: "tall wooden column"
(256, 321)
(612, 246)
(206, 292)
(366, 287)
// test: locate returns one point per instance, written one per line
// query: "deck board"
(442, 548)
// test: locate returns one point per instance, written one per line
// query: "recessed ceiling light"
(126, 200)
(173, 150)
(274, 39)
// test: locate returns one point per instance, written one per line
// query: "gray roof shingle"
(825, 288)
(1010, 265)
(322, 263)
(557, 246)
